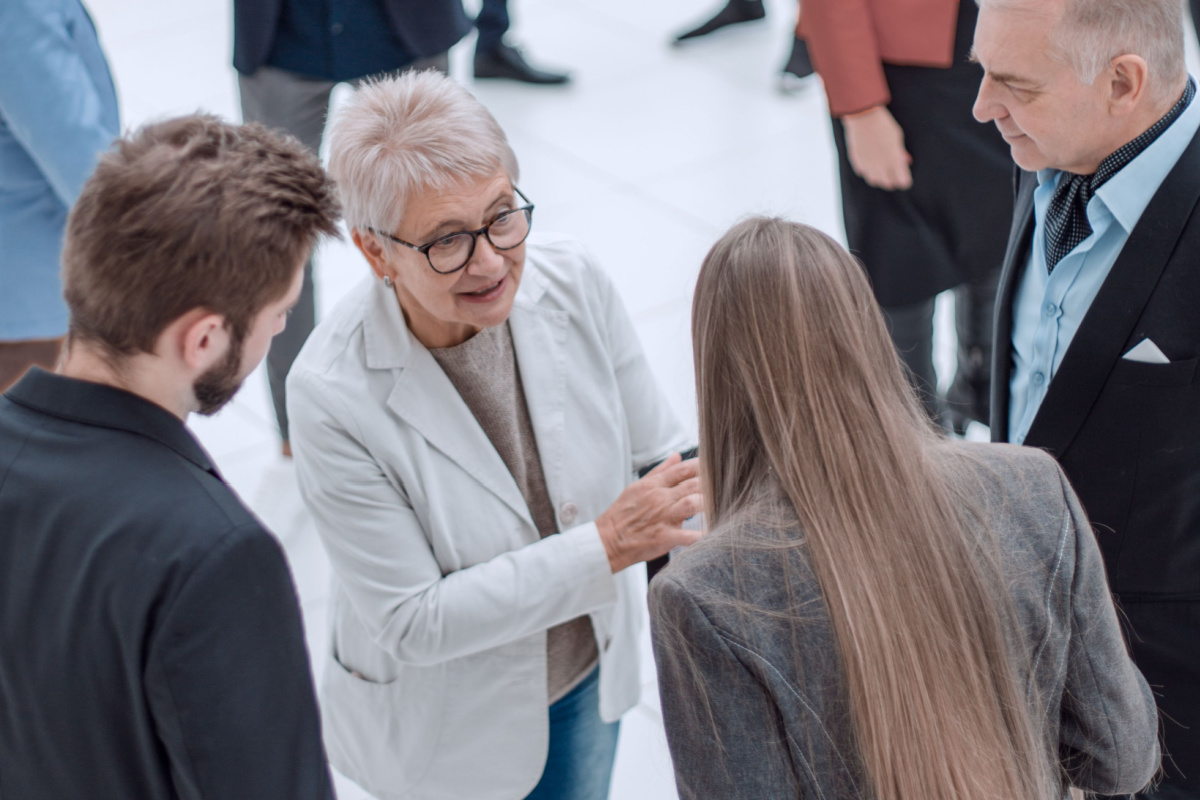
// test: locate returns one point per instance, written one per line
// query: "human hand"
(644, 522)
(875, 147)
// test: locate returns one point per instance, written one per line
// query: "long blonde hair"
(800, 385)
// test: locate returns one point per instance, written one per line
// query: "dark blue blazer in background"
(424, 27)
(151, 645)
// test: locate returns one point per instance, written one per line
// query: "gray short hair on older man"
(398, 136)
(1094, 32)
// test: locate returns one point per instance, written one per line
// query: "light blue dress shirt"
(58, 111)
(1049, 308)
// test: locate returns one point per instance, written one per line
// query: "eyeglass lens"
(505, 232)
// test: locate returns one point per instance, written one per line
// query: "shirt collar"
(1127, 193)
(106, 406)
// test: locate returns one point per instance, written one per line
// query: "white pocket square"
(1146, 352)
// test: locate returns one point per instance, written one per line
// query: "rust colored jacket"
(851, 40)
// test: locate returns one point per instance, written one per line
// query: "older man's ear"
(1130, 77)
(372, 250)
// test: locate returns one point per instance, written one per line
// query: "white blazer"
(443, 590)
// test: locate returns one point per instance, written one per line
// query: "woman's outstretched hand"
(644, 522)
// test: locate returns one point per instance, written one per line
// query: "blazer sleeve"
(1108, 735)
(654, 429)
(388, 569)
(845, 51)
(229, 683)
(57, 106)
(722, 726)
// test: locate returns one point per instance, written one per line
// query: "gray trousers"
(298, 105)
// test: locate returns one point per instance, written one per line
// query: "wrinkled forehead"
(1018, 38)
(463, 202)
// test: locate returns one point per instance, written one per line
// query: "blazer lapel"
(1016, 256)
(426, 399)
(539, 339)
(1110, 321)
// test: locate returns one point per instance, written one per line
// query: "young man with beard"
(150, 640)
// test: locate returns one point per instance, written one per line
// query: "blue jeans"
(582, 747)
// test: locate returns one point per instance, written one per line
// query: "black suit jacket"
(426, 28)
(1128, 436)
(150, 639)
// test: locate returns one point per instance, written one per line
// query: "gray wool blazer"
(755, 704)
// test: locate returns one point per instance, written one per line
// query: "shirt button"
(568, 513)
(1050, 309)
(336, 28)
(1039, 378)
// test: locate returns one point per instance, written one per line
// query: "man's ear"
(372, 250)
(200, 339)
(1129, 80)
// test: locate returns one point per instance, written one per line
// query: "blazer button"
(568, 513)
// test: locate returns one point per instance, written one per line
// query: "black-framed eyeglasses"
(452, 252)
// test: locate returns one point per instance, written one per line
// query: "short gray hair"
(1092, 33)
(399, 136)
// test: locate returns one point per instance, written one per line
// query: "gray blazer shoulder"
(756, 704)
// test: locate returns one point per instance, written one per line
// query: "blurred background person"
(878, 610)
(926, 190)
(797, 72)
(495, 58)
(58, 111)
(1097, 330)
(289, 54)
(467, 425)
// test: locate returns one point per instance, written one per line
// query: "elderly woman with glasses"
(467, 425)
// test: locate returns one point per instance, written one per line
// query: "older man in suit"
(1097, 329)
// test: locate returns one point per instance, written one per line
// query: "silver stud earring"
(387, 281)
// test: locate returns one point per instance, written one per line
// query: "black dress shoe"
(507, 62)
(734, 12)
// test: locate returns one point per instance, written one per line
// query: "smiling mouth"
(486, 293)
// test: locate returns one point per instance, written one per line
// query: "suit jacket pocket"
(1138, 373)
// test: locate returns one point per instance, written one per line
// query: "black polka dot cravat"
(1066, 220)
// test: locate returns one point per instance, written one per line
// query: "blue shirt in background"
(1050, 307)
(58, 111)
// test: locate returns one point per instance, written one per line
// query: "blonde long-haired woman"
(878, 612)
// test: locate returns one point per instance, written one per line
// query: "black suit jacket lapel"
(1016, 256)
(1108, 324)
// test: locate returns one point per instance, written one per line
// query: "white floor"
(647, 157)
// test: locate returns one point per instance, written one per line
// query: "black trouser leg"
(911, 328)
(969, 395)
(492, 23)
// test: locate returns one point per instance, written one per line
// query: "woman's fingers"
(677, 472)
(691, 486)
(687, 506)
(661, 468)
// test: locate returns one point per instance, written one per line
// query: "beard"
(217, 387)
